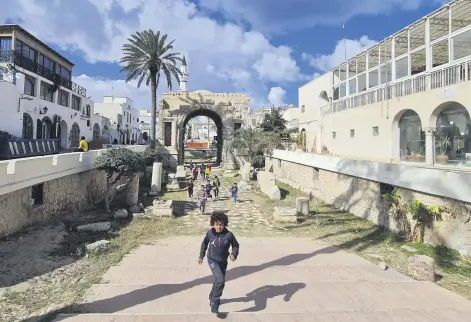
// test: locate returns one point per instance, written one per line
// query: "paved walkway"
(244, 216)
(274, 279)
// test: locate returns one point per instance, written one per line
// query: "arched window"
(453, 135)
(27, 126)
(412, 138)
(74, 136)
(96, 131)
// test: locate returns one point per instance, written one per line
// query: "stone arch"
(96, 131)
(452, 124)
(215, 117)
(408, 136)
(28, 127)
(75, 136)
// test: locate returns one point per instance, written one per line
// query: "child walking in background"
(190, 188)
(202, 197)
(233, 191)
(217, 241)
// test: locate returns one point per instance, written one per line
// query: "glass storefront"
(453, 137)
(412, 138)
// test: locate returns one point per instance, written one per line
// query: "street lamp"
(23, 98)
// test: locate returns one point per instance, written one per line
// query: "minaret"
(183, 76)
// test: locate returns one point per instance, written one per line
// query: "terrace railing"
(447, 76)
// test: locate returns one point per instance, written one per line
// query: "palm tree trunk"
(153, 112)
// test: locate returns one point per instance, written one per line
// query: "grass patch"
(360, 236)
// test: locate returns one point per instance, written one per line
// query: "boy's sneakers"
(214, 307)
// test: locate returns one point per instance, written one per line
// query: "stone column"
(132, 191)
(302, 206)
(429, 146)
(174, 134)
(156, 185)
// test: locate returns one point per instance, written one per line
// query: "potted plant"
(325, 150)
(420, 156)
(443, 145)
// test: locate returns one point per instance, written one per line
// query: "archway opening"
(75, 136)
(411, 137)
(453, 135)
(45, 130)
(28, 127)
(303, 139)
(63, 135)
(96, 131)
(201, 131)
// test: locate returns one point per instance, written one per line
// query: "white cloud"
(280, 16)
(277, 96)
(99, 87)
(96, 30)
(351, 47)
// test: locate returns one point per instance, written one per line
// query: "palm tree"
(146, 56)
(255, 142)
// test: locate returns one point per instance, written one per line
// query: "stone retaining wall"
(362, 197)
(68, 194)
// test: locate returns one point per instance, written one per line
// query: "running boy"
(219, 239)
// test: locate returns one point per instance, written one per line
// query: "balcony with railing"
(16, 59)
(451, 75)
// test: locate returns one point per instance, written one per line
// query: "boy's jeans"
(219, 272)
(234, 196)
(202, 205)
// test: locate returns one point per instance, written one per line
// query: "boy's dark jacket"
(218, 245)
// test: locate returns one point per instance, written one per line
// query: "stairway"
(274, 279)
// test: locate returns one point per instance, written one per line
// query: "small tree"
(256, 143)
(273, 122)
(118, 164)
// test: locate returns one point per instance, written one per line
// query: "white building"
(37, 96)
(201, 129)
(123, 117)
(405, 99)
(145, 118)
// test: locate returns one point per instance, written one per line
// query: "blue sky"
(265, 48)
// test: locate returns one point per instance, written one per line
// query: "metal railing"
(19, 60)
(447, 76)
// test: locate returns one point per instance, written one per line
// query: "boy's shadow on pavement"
(261, 295)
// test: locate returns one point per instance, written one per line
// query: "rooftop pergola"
(441, 23)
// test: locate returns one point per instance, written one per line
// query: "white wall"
(310, 120)
(12, 109)
(21, 173)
